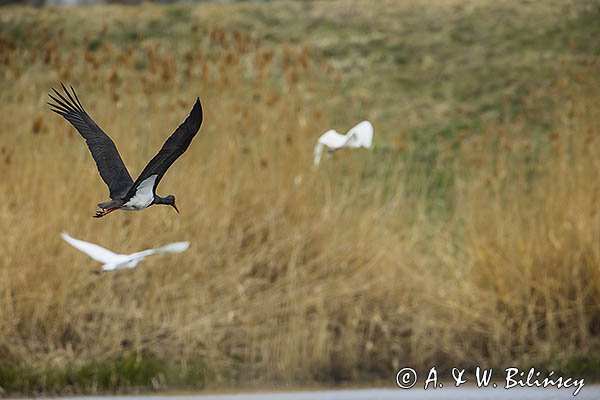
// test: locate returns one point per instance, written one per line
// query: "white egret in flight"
(113, 261)
(359, 136)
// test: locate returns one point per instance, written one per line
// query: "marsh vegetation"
(469, 236)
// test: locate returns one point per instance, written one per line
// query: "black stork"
(126, 194)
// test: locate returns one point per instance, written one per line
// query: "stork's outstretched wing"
(174, 147)
(109, 162)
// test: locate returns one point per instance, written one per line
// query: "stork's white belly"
(144, 195)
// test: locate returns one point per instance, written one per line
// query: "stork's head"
(170, 200)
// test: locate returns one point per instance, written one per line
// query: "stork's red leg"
(103, 212)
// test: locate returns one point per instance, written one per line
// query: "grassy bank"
(468, 236)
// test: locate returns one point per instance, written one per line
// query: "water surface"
(588, 392)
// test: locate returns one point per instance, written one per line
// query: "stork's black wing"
(109, 162)
(174, 147)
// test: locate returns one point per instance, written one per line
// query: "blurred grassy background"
(468, 236)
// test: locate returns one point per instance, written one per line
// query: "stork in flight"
(126, 194)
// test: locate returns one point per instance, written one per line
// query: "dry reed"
(294, 273)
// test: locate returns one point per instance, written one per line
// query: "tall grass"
(295, 274)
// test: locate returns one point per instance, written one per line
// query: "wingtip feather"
(77, 98)
(70, 103)
(58, 112)
(197, 112)
(65, 103)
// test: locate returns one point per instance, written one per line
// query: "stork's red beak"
(175, 207)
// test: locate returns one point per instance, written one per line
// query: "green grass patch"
(125, 374)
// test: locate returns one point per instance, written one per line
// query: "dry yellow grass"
(294, 273)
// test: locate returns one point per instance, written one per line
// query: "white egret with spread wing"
(360, 135)
(113, 261)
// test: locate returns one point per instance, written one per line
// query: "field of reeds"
(470, 234)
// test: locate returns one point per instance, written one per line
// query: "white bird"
(113, 261)
(360, 135)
